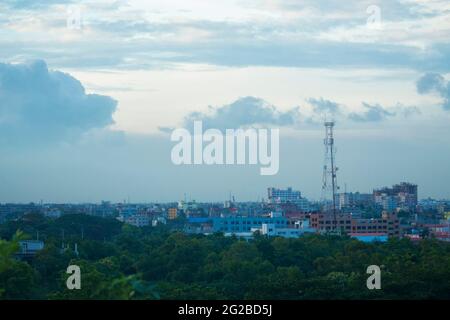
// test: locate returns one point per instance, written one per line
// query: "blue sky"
(90, 89)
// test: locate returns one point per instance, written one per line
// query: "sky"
(90, 91)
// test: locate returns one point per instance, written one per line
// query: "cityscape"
(387, 212)
(217, 159)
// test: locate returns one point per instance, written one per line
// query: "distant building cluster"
(142, 215)
(400, 196)
(386, 212)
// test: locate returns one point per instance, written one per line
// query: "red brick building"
(388, 223)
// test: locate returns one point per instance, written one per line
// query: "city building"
(389, 203)
(352, 199)
(402, 196)
(129, 211)
(137, 220)
(272, 230)
(191, 209)
(387, 223)
(199, 225)
(288, 196)
(246, 223)
(29, 248)
(172, 213)
(158, 220)
(439, 231)
(275, 195)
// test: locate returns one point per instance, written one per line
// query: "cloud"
(318, 34)
(166, 129)
(41, 105)
(408, 111)
(323, 106)
(430, 82)
(372, 113)
(369, 113)
(435, 83)
(32, 4)
(244, 112)
(252, 111)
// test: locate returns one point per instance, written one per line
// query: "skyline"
(91, 90)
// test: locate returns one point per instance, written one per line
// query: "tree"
(17, 278)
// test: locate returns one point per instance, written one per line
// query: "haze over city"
(89, 93)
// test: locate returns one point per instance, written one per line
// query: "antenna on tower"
(329, 180)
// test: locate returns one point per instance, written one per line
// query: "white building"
(137, 220)
(158, 220)
(301, 227)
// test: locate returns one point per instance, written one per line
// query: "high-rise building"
(390, 203)
(403, 195)
(275, 195)
(352, 199)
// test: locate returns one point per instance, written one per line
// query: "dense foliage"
(122, 262)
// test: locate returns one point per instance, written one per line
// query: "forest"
(119, 261)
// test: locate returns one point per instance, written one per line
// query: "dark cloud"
(41, 105)
(372, 113)
(435, 83)
(244, 112)
(430, 82)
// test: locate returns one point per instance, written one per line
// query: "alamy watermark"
(74, 19)
(374, 19)
(228, 148)
(374, 280)
(74, 280)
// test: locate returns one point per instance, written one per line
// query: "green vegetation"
(122, 262)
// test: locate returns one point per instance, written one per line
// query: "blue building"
(245, 224)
